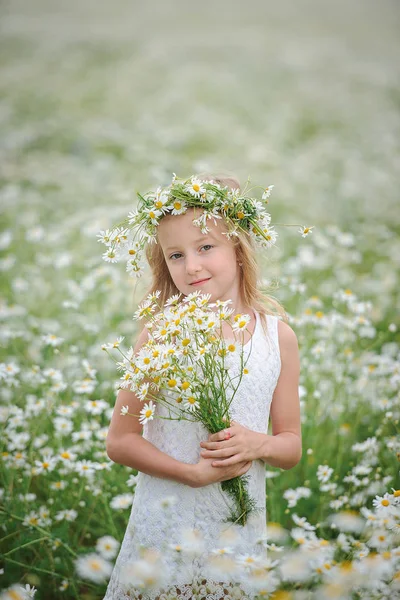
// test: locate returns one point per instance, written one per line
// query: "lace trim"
(199, 589)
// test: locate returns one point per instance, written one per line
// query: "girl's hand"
(204, 473)
(233, 445)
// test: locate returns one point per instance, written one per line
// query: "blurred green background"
(101, 100)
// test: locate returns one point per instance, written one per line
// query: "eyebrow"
(201, 239)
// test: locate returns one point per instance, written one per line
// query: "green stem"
(46, 572)
(25, 545)
(41, 530)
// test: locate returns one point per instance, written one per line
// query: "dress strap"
(272, 324)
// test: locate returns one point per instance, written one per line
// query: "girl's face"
(198, 261)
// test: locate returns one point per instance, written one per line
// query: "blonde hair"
(249, 272)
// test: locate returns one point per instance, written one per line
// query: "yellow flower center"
(152, 215)
(95, 565)
(158, 204)
(240, 215)
(146, 360)
(385, 502)
(231, 347)
(192, 400)
(185, 342)
(185, 385)
(172, 383)
(148, 413)
(177, 205)
(196, 187)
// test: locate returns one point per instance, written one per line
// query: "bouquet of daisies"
(183, 366)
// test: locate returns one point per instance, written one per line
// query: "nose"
(193, 264)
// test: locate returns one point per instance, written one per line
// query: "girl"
(178, 503)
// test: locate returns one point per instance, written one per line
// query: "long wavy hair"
(252, 296)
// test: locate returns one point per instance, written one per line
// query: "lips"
(200, 281)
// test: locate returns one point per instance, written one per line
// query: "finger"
(233, 460)
(224, 453)
(216, 437)
(215, 445)
(245, 468)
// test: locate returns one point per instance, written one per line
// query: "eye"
(207, 246)
(173, 256)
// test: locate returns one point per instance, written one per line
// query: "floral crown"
(128, 239)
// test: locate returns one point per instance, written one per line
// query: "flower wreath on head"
(128, 239)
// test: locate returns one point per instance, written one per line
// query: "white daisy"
(121, 501)
(147, 412)
(93, 567)
(191, 403)
(305, 231)
(105, 237)
(143, 391)
(241, 322)
(195, 187)
(384, 504)
(111, 256)
(173, 300)
(179, 207)
(267, 192)
(153, 215)
(107, 546)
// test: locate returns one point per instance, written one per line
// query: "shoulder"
(286, 334)
(288, 343)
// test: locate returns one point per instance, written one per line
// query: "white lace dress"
(168, 516)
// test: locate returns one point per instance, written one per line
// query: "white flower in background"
(121, 501)
(85, 467)
(302, 522)
(324, 473)
(46, 465)
(62, 425)
(66, 515)
(66, 456)
(86, 386)
(347, 521)
(93, 567)
(95, 407)
(386, 504)
(52, 340)
(107, 546)
(144, 574)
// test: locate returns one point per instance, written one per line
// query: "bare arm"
(126, 446)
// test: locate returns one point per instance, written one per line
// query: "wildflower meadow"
(101, 100)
